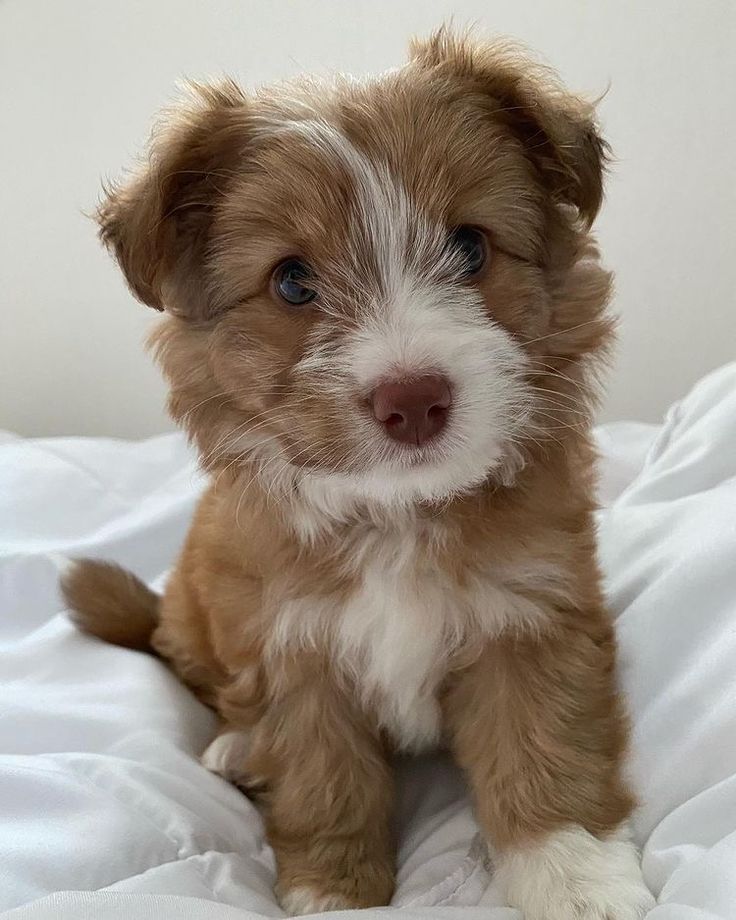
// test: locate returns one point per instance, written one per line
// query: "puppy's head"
(386, 284)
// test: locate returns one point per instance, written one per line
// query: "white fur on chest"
(397, 631)
(394, 636)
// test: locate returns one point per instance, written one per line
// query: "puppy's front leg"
(329, 794)
(539, 729)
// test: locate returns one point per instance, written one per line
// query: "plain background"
(80, 81)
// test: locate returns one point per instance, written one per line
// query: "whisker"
(550, 335)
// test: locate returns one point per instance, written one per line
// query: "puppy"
(383, 319)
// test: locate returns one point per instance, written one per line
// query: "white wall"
(79, 81)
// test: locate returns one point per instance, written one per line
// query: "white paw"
(227, 757)
(572, 875)
(304, 900)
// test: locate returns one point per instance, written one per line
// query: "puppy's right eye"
(472, 246)
(291, 282)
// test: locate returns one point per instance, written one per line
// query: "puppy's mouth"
(426, 454)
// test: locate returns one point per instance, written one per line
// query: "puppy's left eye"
(472, 246)
(291, 281)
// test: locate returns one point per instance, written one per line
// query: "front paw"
(332, 875)
(572, 875)
(307, 899)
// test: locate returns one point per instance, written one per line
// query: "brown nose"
(413, 411)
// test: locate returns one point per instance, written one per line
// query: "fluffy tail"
(111, 603)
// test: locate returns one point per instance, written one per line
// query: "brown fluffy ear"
(558, 130)
(157, 224)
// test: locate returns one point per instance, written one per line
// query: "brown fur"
(480, 137)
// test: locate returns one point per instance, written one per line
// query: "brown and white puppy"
(384, 317)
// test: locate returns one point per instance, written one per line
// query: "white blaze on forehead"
(417, 319)
(387, 224)
(391, 236)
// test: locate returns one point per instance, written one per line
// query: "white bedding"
(105, 812)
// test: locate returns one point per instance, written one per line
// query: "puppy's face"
(373, 283)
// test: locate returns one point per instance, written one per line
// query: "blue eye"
(291, 282)
(471, 244)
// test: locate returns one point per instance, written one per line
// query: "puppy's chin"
(431, 475)
(426, 481)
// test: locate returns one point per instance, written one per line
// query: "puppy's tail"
(111, 603)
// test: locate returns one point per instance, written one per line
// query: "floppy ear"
(157, 224)
(558, 130)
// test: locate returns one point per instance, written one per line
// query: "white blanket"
(105, 812)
